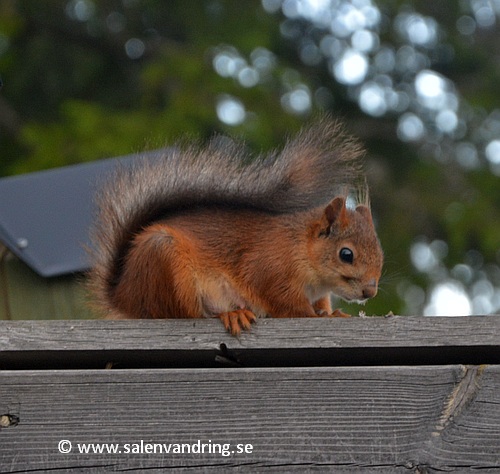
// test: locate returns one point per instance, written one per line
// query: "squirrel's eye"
(346, 255)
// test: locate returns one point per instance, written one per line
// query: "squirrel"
(210, 232)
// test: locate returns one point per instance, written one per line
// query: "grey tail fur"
(321, 162)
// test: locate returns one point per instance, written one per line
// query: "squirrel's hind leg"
(157, 279)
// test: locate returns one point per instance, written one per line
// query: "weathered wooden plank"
(371, 419)
(271, 342)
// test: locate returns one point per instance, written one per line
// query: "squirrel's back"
(321, 162)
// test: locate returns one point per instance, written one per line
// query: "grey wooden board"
(271, 342)
(377, 419)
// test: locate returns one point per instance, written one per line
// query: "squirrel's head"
(349, 253)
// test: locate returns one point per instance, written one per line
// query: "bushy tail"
(320, 163)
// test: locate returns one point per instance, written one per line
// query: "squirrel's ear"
(335, 213)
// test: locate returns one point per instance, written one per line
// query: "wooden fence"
(395, 394)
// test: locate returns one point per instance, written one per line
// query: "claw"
(338, 313)
(235, 321)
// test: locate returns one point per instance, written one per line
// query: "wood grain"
(307, 394)
(381, 419)
(271, 342)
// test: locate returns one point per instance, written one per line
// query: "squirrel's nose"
(370, 290)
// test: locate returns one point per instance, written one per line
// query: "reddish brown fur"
(237, 242)
(201, 263)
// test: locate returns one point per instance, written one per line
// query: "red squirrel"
(209, 232)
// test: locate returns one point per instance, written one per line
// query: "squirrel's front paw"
(235, 321)
(338, 313)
